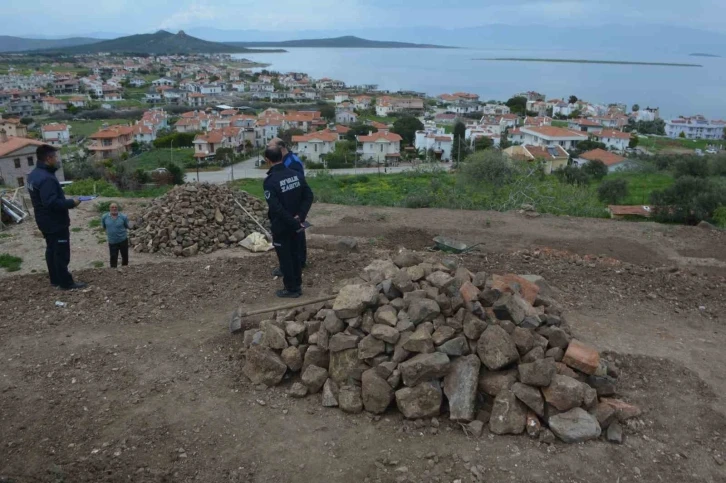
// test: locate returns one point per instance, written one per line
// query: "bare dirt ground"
(137, 379)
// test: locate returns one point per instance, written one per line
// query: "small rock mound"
(195, 218)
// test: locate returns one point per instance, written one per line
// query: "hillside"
(348, 41)
(161, 42)
(19, 44)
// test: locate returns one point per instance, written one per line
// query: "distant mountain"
(348, 41)
(161, 42)
(697, 54)
(19, 44)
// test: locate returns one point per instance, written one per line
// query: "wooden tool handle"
(288, 306)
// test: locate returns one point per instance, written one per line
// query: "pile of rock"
(492, 349)
(195, 218)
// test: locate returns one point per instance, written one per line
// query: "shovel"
(267, 233)
(235, 324)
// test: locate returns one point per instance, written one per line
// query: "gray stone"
(409, 297)
(394, 380)
(407, 258)
(370, 347)
(385, 267)
(492, 383)
(352, 300)
(404, 324)
(615, 433)
(263, 366)
(295, 329)
(440, 279)
(454, 347)
(330, 394)
(556, 353)
(531, 322)
(402, 281)
(538, 373)
(298, 390)
(509, 415)
(575, 426)
(385, 369)
(424, 367)
(556, 337)
(605, 414)
(589, 397)
(340, 342)
(507, 325)
(389, 290)
(275, 337)
(604, 385)
(480, 280)
(460, 387)
(398, 304)
(333, 324)
(442, 334)
(315, 356)
(416, 273)
(496, 348)
(314, 377)
(343, 365)
(422, 401)
(347, 245)
(475, 428)
(535, 354)
(564, 393)
(400, 354)
(368, 322)
(488, 297)
(323, 339)
(474, 327)
(292, 358)
(531, 396)
(540, 341)
(312, 326)
(547, 436)
(376, 392)
(423, 310)
(419, 341)
(385, 333)
(253, 337)
(510, 307)
(349, 399)
(386, 315)
(523, 339)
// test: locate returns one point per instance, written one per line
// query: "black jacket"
(288, 195)
(49, 203)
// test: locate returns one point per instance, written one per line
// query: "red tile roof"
(322, 136)
(612, 133)
(379, 125)
(610, 159)
(54, 127)
(555, 132)
(380, 135)
(112, 132)
(13, 144)
(628, 210)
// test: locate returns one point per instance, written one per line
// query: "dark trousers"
(115, 248)
(287, 246)
(58, 256)
(303, 249)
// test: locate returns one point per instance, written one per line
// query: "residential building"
(613, 139)
(695, 127)
(346, 117)
(17, 160)
(19, 109)
(341, 97)
(78, 101)
(446, 118)
(13, 128)
(266, 129)
(260, 87)
(112, 94)
(136, 82)
(382, 147)
(316, 145)
(210, 89)
(206, 145)
(386, 105)
(495, 109)
(531, 96)
(563, 109)
(551, 136)
(163, 82)
(362, 102)
(613, 161)
(153, 97)
(111, 142)
(584, 125)
(186, 124)
(56, 134)
(435, 140)
(67, 86)
(551, 157)
(537, 121)
(53, 104)
(143, 133)
(196, 99)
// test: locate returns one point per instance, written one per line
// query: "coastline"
(588, 61)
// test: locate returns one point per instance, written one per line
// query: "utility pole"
(232, 168)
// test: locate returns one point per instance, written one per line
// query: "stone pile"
(435, 337)
(195, 218)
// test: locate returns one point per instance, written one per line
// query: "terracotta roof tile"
(610, 159)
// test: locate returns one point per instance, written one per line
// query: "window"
(31, 162)
(17, 162)
(21, 181)
(316, 147)
(381, 147)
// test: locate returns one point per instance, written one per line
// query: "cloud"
(195, 13)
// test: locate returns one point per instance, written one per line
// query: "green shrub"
(595, 169)
(90, 187)
(487, 166)
(94, 223)
(10, 262)
(719, 216)
(612, 191)
(689, 200)
(691, 166)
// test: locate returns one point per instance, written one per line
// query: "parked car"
(711, 151)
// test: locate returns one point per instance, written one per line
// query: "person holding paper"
(116, 225)
(51, 215)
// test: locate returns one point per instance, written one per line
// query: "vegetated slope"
(347, 41)
(20, 44)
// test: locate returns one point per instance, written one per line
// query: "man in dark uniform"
(289, 199)
(292, 161)
(51, 215)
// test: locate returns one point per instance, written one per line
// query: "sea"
(675, 90)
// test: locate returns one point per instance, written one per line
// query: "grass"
(97, 264)
(76, 229)
(560, 123)
(86, 128)
(10, 262)
(665, 145)
(153, 159)
(641, 185)
(373, 117)
(147, 192)
(94, 223)
(5, 235)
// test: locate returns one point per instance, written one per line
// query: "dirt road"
(136, 379)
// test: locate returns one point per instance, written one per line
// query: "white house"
(162, 82)
(563, 109)
(551, 136)
(382, 146)
(53, 104)
(260, 87)
(435, 140)
(210, 89)
(137, 82)
(341, 97)
(696, 127)
(56, 134)
(346, 117)
(495, 109)
(316, 145)
(613, 139)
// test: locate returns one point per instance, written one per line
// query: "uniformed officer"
(289, 199)
(292, 161)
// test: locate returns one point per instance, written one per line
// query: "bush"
(10, 262)
(176, 140)
(573, 175)
(90, 187)
(717, 165)
(719, 216)
(487, 166)
(612, 191)
(595, 169)
(691, 166)
(689, 200)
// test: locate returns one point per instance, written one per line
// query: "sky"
(44, 18)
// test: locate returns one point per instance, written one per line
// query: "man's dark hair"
(273, 154)
(44, 151)
(281, 144)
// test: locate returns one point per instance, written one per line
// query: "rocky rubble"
(486, 349)
(195, 218)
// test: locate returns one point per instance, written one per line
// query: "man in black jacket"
(51, 215)
(289, 199)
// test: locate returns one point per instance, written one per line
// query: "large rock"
(440, 279)
(385, 333)
(333, 324)
(496, 348)
(564, 393)
(424, 367)
(531, 396)
(423, 310)
(517, 285)
(343, 365)
(442, 334)
(385, 269)
(330, 394)
(454, 347)
(407, 258)
(460, 386)
(314, 377)
(349, 399)
(511, 307)
(353, 300)
(315, 356)
(340, 342)
(509, 415)
(582, 357)
(370, 347)
(292, 358)
(422, 401)
(420, 341)
(275, 337)
(402, 281)
(575, 426)
(387, 315)
(494, 382)
(538, 373)
(474, 327)
(263, 366)
(377, 394)
(523, 339)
